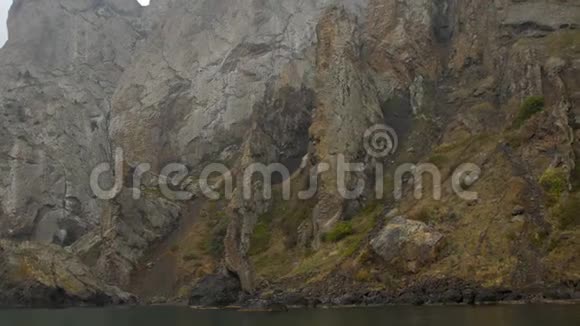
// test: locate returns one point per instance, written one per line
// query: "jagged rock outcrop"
(406, 244)
(216, 291)
(45, 276)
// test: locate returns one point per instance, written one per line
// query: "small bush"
(292, 216)
(568, 214)
(432, 213)
(389, 281)
(261, 238)
(189, 257)
(365, 256)
(555, 182)
(214, 243)
(512, 236)
(537, 238)
(439, 159)
(363, 276)
(575, 178)
(563, 42)
(515, 139)
(554, 242)
(340, 231)
(531, 106)
(424, 215)
(351, 245)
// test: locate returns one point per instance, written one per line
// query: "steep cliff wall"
(297, 83)
(59, 71)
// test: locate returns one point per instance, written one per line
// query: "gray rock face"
(183, 101)
(407, 244)
(58, 72)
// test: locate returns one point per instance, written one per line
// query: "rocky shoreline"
(220, 291)
(280, 301)
(285, 308)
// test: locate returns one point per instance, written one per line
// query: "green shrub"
(214, 242)
(291, 219)
(515, 138)
(512, 236)
(439, 159)
(351, 245)
(531, 106)
(555, 182)
(389, 281)
(554, 242)
(432, 213)
(537, 238)
(189, 257)
(424, 215)
(563, 42)
(568, 214)
(260, 240)
(363, 276)
(339, 232)
(575, 178)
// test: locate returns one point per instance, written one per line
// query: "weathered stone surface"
(47, 275)
(128, 229)
(58, 72)
(408, 244)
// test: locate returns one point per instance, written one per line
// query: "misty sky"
(4, 6)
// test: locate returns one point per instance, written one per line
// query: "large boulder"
(407, 244)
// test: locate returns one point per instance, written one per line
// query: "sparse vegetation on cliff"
(339, 232)
(261, 237)
(530, 107)
(568, 214)
(555, 182)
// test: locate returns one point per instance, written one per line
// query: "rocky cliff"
(299, 83)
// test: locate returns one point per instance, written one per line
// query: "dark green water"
(524, 315)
